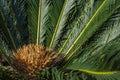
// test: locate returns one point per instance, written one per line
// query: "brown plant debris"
(33, 57)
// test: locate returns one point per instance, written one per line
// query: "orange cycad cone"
(33, 57)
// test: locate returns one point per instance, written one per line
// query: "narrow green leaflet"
(62, 19)
(19, 10)
(32, 19)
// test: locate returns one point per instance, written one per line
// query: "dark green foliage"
(85, 32)
(6, 74)
(19, 7)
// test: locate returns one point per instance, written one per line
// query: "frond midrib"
(9, 33)
(57, 25)
(87, 25)
(83, 43)
(98, 72)
(69, 35)
(39, 22)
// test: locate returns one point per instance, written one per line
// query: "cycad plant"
(60, 39)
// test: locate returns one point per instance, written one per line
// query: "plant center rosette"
(32, 57)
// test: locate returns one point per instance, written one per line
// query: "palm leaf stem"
(98, 72)
(39, 24)
(58, 22)
(9, 33)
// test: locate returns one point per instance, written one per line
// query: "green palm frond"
(99, 61)
(13, 26)
(62, 19)
(32, 20)
(4, 51)
(38, 20)
(19, 10)
(56, 74)
(101, 53)
(82, 35)
(6, 31)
